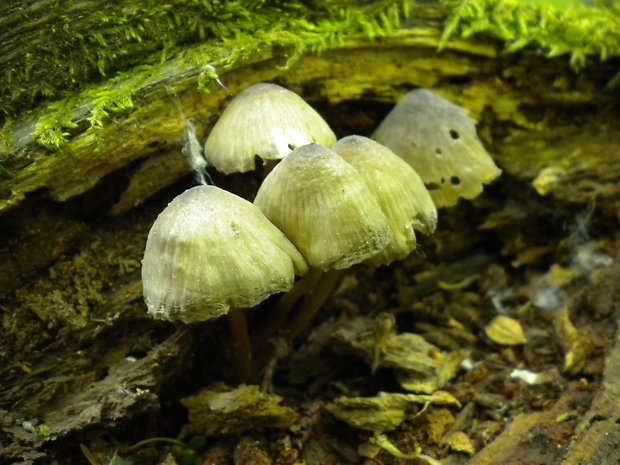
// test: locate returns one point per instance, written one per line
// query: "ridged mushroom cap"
(265, 120)
(406, 203)
(210, 250)
(324, 207)
(438, 139)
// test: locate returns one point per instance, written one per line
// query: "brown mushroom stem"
(241, 343)
(313, 302)
(286, 302)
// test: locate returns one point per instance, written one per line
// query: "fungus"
(438, 139)
(264, 120)
(402, 196)
(210, 253)
(328, 212)
(323, 205)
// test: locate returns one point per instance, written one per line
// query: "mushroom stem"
(286, 302)
(313, 302)
(241, 342)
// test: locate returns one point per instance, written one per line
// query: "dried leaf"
(421, 366)
(384, 412)
(449, 364)
(576, 344)
(222, 410)
(505, 330)
(459, 442)
(548, 179)
(405, 351)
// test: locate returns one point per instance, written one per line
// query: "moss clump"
(77, 45)
(558, 27)
(226, 33)
(146, 43)
(98, 102)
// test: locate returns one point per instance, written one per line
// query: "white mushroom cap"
(210, 250)
(324, 207)
(398, 188)
(438, 139)
(265, 120)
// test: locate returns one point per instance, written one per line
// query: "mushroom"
(210, 253)
(326, 209)
(402, 196)
(264, 120)
(438, 139)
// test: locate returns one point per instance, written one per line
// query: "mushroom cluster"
(326, 205)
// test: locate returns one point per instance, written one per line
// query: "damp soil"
(87, 375)
(406, 363)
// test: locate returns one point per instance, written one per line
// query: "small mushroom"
(326, 209)
(210, 250)
(210, 253)
(402, 196)
(264, 120)
(438, 139)
(324, 206)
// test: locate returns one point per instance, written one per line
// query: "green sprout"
(44, 431)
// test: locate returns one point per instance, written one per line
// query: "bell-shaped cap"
(402, 196)
(438, 139)
(264, 120)
(210, 250)
(324, 207)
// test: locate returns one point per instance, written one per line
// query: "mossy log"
(80, 360)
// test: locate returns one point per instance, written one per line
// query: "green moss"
(144, 43)
(243, 29)
(51, 130)
(78, 46)
(556, 27)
